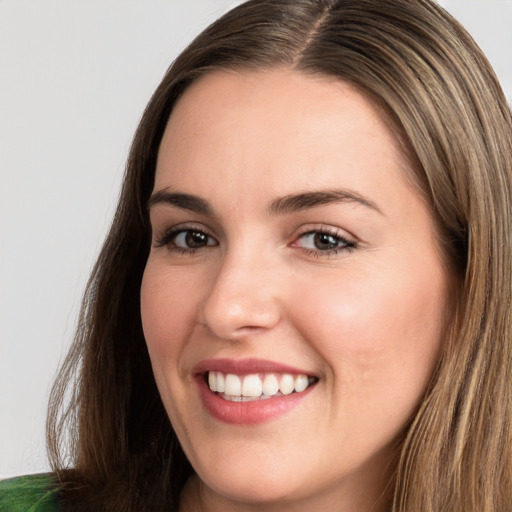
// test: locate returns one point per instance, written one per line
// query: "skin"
(367, 319)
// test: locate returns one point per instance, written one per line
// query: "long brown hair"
(107, 424)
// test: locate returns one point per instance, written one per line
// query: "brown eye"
(192, 239)
(196, 239)
(325, 241)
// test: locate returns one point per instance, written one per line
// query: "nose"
(243, 297)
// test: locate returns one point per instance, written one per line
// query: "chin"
(255, 484)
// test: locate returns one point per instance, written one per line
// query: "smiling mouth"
(256, 386)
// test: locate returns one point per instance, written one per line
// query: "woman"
(304, 298)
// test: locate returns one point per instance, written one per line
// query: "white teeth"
(254, 386)
(270, 385)
(220, 382)
(286, 384)
(216, 381)
(301, 383)
(232, 385)
(212, 381)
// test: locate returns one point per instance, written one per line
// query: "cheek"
(168, 304)
(377, 328)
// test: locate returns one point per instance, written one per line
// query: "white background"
(75, 76)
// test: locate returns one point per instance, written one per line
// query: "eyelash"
(170, 235)
(345, 244)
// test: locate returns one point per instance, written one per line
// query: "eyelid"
(166, 234)
(350, 242)
(325, 228)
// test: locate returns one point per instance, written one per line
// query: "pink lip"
(245, 366)
(246, 413)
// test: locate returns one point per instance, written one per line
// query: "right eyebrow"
(180, 200)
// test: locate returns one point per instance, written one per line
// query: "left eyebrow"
(296, 202)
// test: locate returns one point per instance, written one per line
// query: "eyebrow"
(297, 202)
(180, 200)
(280, 206)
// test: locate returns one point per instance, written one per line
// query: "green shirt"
(31, 493)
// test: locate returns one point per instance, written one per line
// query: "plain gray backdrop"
(75, 76)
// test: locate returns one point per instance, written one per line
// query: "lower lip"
(248, 413)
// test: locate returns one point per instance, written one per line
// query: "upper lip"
(245, 366)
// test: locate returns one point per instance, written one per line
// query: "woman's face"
(294, 268)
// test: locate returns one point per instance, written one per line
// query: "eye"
(185, 240)
(318, 242)
(192, 239)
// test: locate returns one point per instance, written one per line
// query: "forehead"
(228, 96)
(295, 130)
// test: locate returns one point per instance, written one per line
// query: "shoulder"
(32, 493)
